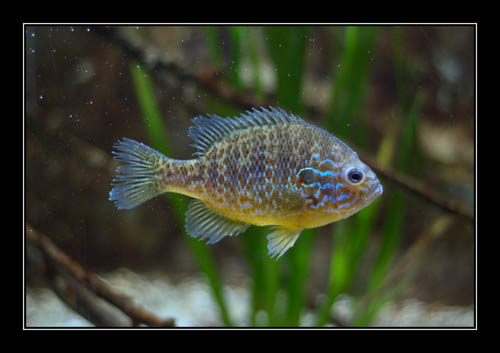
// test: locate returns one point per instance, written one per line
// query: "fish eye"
(306, 176)
(354, 176)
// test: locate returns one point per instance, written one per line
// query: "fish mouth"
(376, 191)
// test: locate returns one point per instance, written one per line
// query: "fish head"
(357, 187)
(338, 187)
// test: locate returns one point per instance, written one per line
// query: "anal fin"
(281, 240)
(202, 222)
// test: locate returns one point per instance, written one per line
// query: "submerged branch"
(419, 189)
(246, 101)
(73, 295)
(156, 65)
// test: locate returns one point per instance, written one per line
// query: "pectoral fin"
(281, 240)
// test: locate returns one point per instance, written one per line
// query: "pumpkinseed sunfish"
(264, 167)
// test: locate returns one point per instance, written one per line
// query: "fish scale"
(264, 167)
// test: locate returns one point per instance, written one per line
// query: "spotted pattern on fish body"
(264, 167)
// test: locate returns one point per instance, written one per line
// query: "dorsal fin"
(207, 132)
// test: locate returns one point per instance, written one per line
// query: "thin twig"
(419, 189)
(247, 101)
(63, 262)
(157, 66)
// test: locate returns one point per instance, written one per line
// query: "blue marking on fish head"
(319, 187)
(342, 187)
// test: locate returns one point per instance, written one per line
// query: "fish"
(265, 167)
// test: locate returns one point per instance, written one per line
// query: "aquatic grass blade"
(287, 47)
(297, 280)
(350, 237)
(235, 33)
(159, 140)
(233, 61)
(263, 270)
(251, 36)
(408, 161)
(212, 35)
(349, 85)
(393, 225)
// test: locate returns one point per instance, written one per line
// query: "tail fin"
(138, 176)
